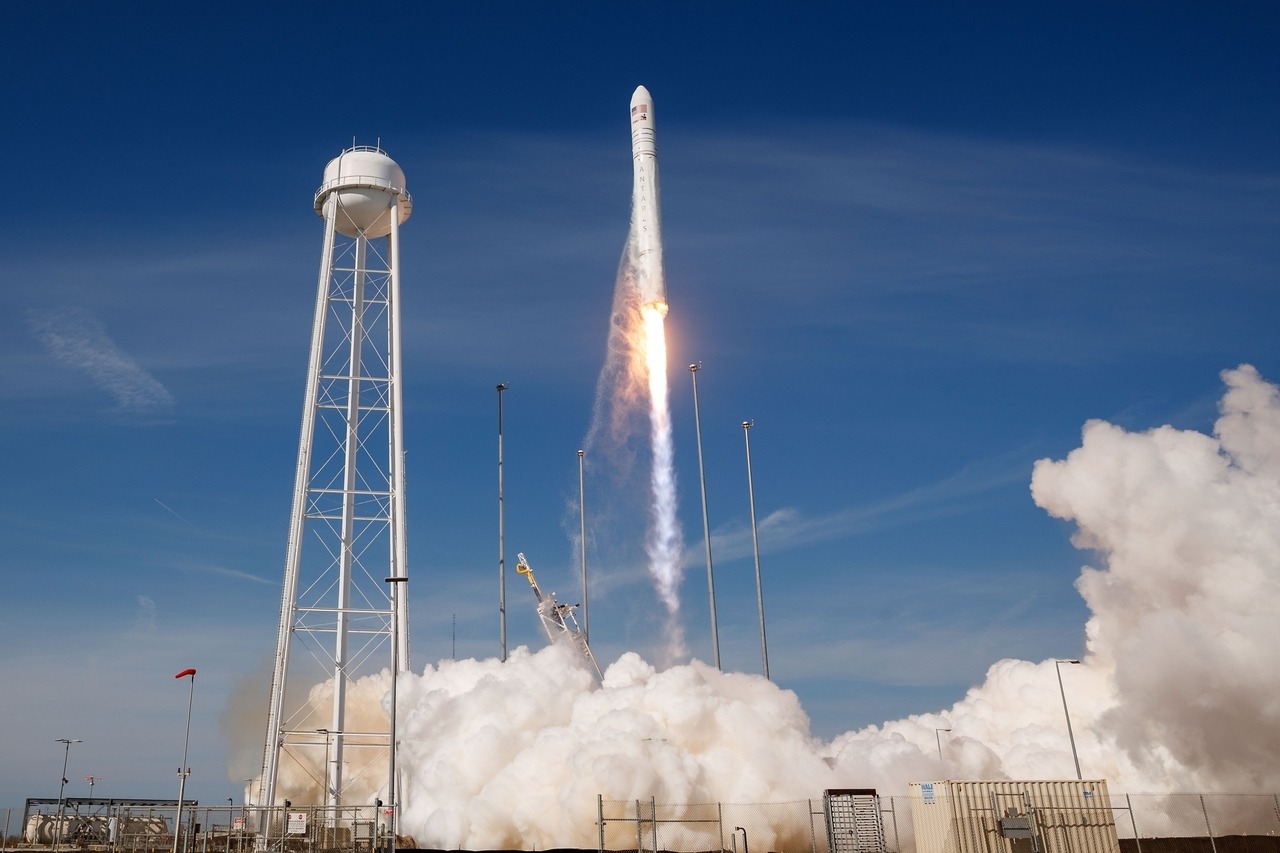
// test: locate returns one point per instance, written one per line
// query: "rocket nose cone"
(641, 96)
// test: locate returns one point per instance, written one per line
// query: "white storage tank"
(366, 186)
(1042, 816)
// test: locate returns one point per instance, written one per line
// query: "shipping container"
(1013, 817)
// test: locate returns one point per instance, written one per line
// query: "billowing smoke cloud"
(1177, 690)
(513, 755)
(1184, 608)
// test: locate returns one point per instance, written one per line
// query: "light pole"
(706, 525)
(582, 521)
(329, 793)
(502, 559)
(66, 754)
(755, 547)
(1057, 665)
(937, 735)
(244, 808)
(183, 770)
(395, 678)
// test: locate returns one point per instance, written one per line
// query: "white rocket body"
(646, 221)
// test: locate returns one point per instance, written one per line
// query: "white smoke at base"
(1176, 692)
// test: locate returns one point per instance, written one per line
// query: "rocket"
(646, 222)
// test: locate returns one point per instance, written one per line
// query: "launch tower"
(343, 603)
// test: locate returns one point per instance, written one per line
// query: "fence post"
(813, 833)
(600, 819)
(1133, 821)
(1213, 844)
(653, 813)
(720, 823)
(893, 810)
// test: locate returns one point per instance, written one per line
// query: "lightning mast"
(347, 527)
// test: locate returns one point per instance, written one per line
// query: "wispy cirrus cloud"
(787, 527)
(78, 339)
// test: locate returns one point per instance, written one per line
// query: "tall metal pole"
(706, 524)
(582, 521)
(502, 544)
(755, 547)
(183, 770)
(66, 754)
(1057, 665)
(329, 811)
(395, 680)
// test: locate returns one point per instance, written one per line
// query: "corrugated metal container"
(1013, 817)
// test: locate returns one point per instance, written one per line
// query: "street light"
(755, 547)
(330, 791)
(1057, 665)
(66, 754)
(183, 770)
(937, 735)
(706, 525)
(395, 677)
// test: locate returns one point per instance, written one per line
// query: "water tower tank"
(366, 185)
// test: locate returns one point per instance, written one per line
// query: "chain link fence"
(1145, 823)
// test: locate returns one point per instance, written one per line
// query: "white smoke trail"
(631, 385)
(663, 542)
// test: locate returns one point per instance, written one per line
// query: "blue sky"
(919, 246)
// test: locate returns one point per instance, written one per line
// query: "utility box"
(1013, 817)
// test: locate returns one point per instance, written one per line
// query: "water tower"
(340, 618)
